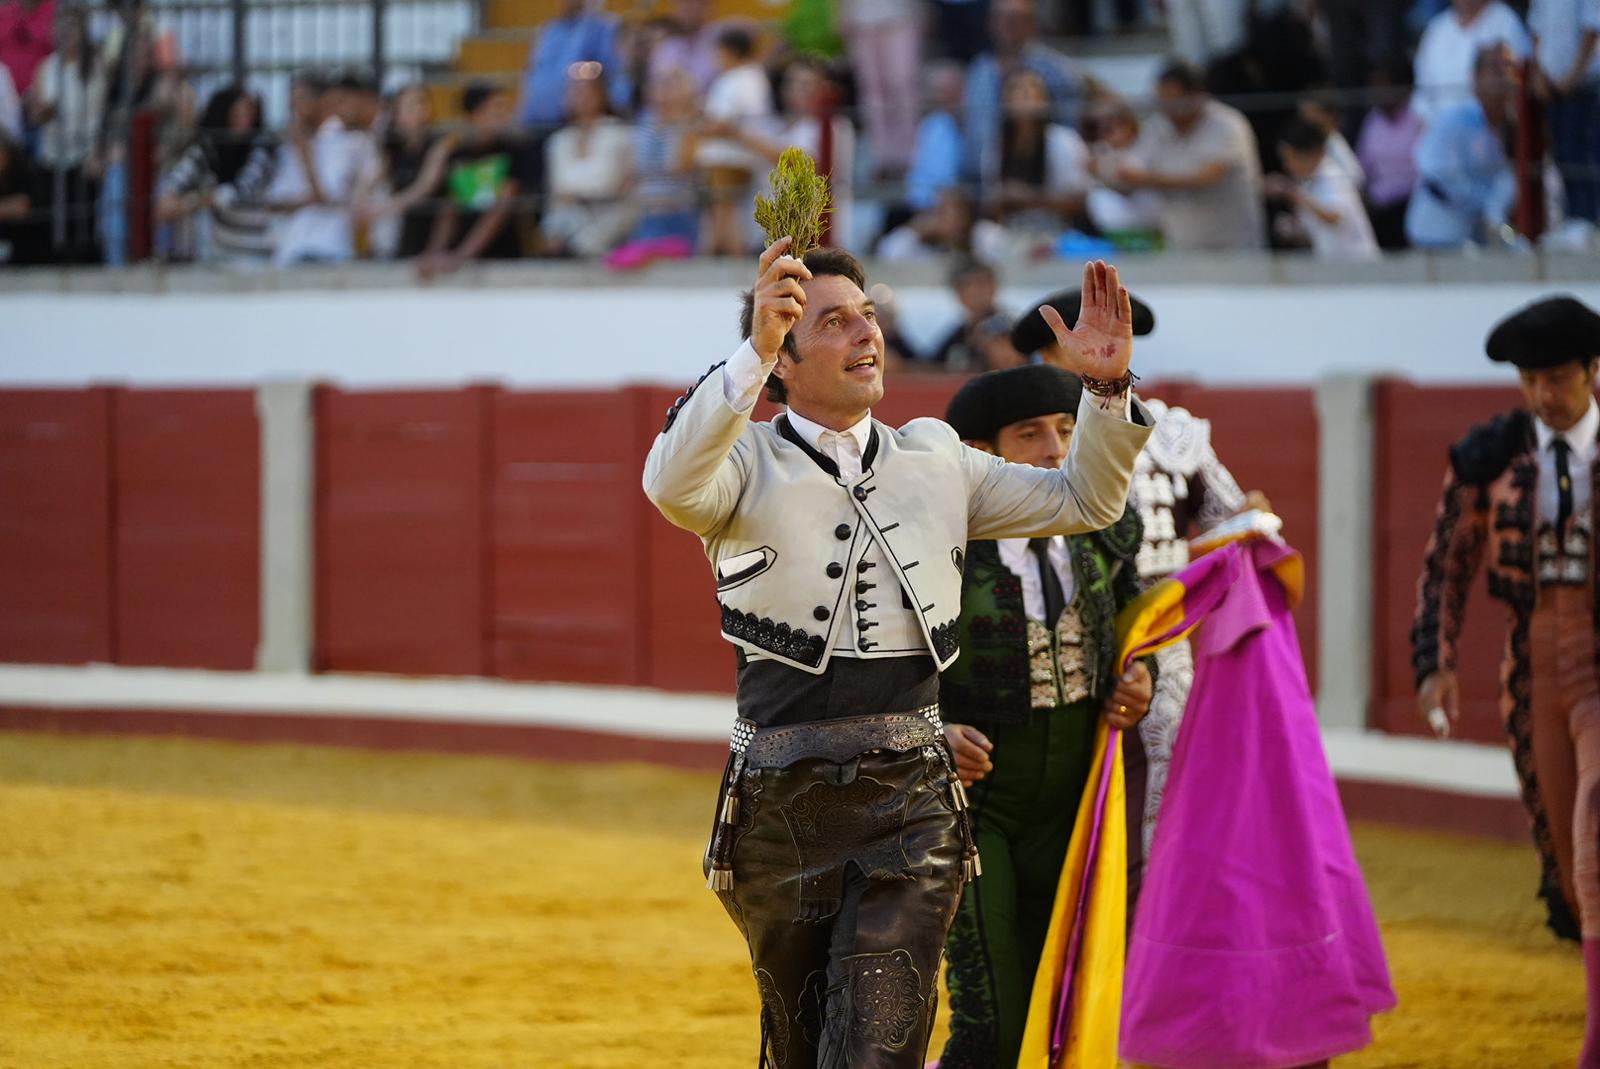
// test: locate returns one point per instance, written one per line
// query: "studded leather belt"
(836, 740)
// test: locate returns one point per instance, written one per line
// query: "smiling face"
(837, 375)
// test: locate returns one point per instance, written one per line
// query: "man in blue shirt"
(1011, 26)
(1465, 183)
(575, 36)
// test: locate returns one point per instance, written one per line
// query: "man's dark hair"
(737, 41)
(356, 81)
(312, 81)
(1399, 69)
(967, 267)
(1302, 135)
(823, 261)
(476, 94)
(1183, 74)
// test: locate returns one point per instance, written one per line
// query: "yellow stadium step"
(494, 53)
(444, 92)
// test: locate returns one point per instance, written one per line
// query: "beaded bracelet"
(1109, 389)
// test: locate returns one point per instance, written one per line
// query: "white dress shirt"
(1015, 554)
(742, 378)
(845, 448)
(1581, 437)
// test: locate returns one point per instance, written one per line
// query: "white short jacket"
(809, 566)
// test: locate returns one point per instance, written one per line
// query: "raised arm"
(1088, 493)
(1091, 489)
(693, 474)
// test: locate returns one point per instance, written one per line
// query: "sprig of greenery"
(799, 200)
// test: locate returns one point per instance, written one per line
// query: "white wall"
(599, 336)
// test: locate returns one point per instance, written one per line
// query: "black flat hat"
(1031, 333)
(1545, 334)
(998, 399)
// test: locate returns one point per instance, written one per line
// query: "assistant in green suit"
(1022, 703)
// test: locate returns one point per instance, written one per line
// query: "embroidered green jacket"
(1010, 665)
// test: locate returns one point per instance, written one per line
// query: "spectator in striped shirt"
(668, 225)
(195, 196)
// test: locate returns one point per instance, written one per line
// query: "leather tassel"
(972, 868)
(721, 879)
(730, 809)
(960, 794)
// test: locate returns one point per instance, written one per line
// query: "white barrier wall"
(606, 335)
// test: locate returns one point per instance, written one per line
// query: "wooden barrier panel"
(55, 526)
(683, 649)
(187, 477)
(401, 531)
(567, 530)
(1414, 428)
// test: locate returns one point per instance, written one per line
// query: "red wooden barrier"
(1414, 427)
(679, 609)
(55, 526)
(1268, 440)
(401, 529)
(568, 521)
(188, 522)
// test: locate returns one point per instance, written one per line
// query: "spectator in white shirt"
(949, 228)
(67, 99)
(10, 107)
(1200, 156)
(339, 154)
(808, 92)
(1449, 44)
(1567, 50)
(738, 102)
(588, 166)
(1114, 131)
(1466, 185)
(1326, 200)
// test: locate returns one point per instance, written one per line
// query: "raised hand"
(1100, 345)
(779, 299)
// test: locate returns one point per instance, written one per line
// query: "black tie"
(1563, 488)
(1055, 600)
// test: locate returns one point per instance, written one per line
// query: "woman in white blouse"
(588, 164)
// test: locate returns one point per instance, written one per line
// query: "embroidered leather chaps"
(845, 880)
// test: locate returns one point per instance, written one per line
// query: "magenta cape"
(1254, 944)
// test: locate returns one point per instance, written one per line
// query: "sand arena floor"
(184, 904)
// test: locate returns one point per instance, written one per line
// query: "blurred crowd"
(952, 130)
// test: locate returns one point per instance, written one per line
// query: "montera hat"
(1545, 334)
(997, 399)
(1031, 333)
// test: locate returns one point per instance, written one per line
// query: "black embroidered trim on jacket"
(788, 433)
(793, 643)
(1480, 457)
(672, 413)
(1448, 566)
(1518, 697)
(946, 639)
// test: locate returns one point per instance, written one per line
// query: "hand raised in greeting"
(1100, 345)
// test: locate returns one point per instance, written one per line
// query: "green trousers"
(1022, 815)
